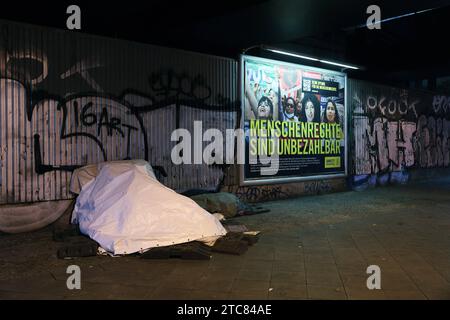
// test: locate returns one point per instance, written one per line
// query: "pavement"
(316, 247)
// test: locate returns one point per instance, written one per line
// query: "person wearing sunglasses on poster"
(289, 106)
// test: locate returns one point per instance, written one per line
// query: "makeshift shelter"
(124, 208)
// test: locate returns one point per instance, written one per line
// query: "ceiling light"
(339, 64)
(311, 58)
(293, 55)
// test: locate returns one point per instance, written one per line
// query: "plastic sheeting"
(127, 210)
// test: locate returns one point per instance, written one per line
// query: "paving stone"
(288, 277)
(205, 294)
(182, 281)
(262, 265)
(288, 266)
(248, 295)
(365, 294)
(288, 292)
(326, 292)
(404, 295)
(250, 285)
(323, 279)
(254, 274)
(164, 293)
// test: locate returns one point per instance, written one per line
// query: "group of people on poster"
(308, 109)
(285, 94)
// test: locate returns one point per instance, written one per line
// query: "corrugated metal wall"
(68, 99)
(394, 129)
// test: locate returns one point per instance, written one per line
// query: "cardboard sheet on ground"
(127, 210)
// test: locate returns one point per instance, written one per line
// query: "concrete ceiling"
(409, 47)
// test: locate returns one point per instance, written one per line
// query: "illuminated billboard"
(294, 122)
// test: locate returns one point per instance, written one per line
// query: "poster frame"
(274, 179)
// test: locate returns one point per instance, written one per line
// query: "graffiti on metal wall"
(259, 193)
(104, 121)
(48, 125)
(276, 192)
(317, 187)
(397, 131)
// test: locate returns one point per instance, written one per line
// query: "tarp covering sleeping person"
(124, 208)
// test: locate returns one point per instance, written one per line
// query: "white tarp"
(127, 210)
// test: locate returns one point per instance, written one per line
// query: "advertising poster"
(294, 121)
